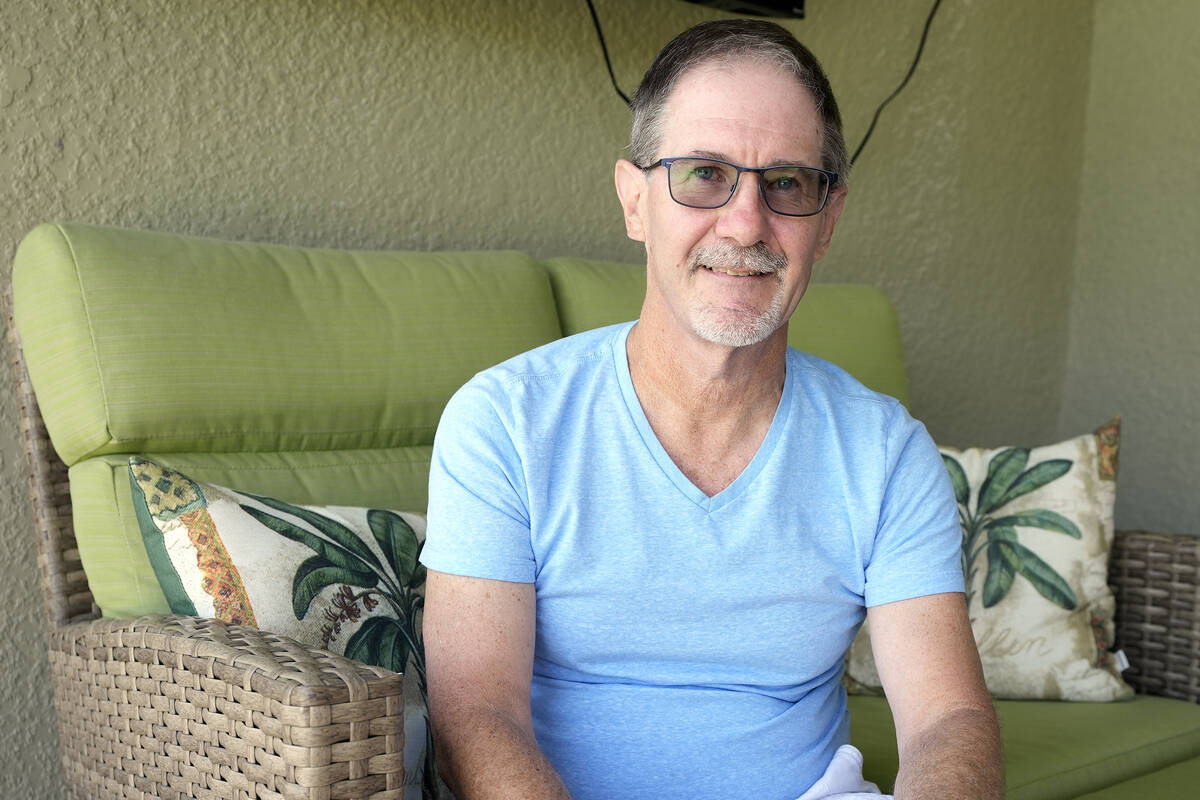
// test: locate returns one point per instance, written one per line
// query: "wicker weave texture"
(1156, 580)
(177, 707)
(64, 584)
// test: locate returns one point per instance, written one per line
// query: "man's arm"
(946, 729)
(479, 637)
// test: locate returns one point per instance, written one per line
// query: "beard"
(737, 327)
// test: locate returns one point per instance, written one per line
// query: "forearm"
(956, 757)
(485, 755)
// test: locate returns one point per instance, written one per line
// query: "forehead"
(742, 110)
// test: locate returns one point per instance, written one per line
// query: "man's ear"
(631, 189)
(829, 219)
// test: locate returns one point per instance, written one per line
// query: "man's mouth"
(726, 258)
(737, 273)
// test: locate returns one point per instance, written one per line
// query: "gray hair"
(730, 40)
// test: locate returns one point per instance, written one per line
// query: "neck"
(710, 406)
(706, 380)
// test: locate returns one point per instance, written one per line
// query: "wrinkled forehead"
(753, 105)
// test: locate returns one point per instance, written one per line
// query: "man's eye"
(785, 184)
(706, 172)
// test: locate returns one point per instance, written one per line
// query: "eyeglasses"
(789, 189)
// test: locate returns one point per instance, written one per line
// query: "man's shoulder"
(847, 412)
(552, 367)
(834, 385)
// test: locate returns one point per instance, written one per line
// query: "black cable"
(878, 111)
(903, 83)
(604, 49)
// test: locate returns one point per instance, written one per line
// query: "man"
(651, 545)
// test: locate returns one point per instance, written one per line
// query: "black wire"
(903, 83)
(878, 111)
(604, 49)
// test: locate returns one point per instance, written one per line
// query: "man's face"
(751, 114)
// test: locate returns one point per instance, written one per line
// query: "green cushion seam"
(276, 431)
(1156, 745)
(131, 445)
(87, 312)
(168, 457)
(556, 296)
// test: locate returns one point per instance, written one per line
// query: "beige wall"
(1135, 309)
(490, 123)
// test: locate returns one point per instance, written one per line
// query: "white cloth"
(843, 779)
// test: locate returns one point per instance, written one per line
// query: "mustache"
(757, 257)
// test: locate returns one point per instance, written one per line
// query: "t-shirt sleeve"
(478, 517)
(918, 544)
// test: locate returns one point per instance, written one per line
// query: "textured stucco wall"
(490, 123)
(963, 204)
(1135, 328)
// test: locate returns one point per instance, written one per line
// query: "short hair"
(731, 40)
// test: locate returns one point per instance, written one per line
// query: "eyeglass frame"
(831, 177)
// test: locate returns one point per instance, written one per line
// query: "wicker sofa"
(318, 376)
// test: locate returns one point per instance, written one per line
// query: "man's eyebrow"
(709, 154)
(778, 162)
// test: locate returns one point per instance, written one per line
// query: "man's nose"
(744, 217)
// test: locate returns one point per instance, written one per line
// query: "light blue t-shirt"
(687, 646)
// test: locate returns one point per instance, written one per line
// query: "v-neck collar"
(663, 459)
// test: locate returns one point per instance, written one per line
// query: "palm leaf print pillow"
(1037, 528)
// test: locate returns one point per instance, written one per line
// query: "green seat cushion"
(853, 326)
(1056, 749)
(140, 341)
(1178, 780)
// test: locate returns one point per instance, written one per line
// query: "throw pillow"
(341, 578)
(1037, 530)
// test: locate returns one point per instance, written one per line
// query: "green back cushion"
(853, 326)
(314, 376)
(152, 342)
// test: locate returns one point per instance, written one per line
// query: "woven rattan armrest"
(1156, 580)
(169, 706)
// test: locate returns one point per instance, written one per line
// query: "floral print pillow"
(1037, 529)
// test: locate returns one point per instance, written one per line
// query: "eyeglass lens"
(796, 191)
